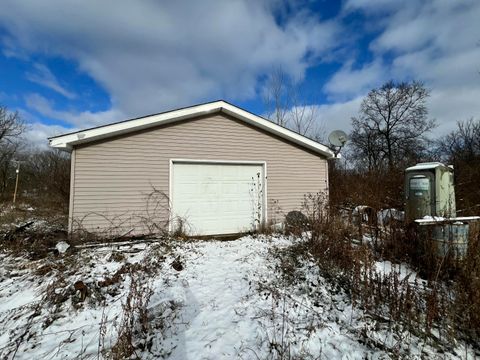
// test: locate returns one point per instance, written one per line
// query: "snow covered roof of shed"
(427, 166)
(69, 140)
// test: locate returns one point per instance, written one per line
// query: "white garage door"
(217, 198)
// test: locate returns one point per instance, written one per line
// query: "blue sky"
(67, 65)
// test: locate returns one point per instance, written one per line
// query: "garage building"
(210, 169)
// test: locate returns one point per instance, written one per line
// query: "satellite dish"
(337, 138)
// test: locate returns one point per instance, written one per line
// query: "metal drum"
(451, 239)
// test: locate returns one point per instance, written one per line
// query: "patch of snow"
(426, 166)
(15, 296)
(402, 269)
(430, 220)
(62, 247)
(385, 216)
(216, 307)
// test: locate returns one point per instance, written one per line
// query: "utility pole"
(17, 170)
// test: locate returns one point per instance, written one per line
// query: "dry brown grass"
(448, 301)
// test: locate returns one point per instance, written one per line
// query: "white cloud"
(348, 82)
(43, 76)
(154, 55)
(438, 43)
(439, 25)
(372, 5)
(37, 134)
(452, 104)
(151, 56)
(434, 41)
(84, 119)
(337, 116)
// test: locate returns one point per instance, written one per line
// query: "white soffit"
(67, 141)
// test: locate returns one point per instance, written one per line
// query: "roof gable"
(68, 141)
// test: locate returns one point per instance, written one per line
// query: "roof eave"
(107, 131)
(68, 141)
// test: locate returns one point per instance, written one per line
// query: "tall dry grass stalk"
(447, 300)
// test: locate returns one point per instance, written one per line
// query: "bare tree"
(391, 124)
(303, 119)
(11, 128)
(8, 151)
(286, 107)
(462, 143)
(49, 173)
(366, 148)
(461, 147)
(277, 97)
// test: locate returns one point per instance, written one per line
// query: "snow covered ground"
(210, 300)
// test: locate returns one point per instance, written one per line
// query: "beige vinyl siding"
(112, 178)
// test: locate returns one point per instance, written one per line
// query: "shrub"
(447, 301)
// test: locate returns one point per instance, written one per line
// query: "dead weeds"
(445, 303)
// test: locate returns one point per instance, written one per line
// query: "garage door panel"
(215, 198)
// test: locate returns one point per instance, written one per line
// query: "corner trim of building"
(72, 192)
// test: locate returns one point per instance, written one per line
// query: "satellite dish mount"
(337, 139)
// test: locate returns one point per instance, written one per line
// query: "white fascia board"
(66, 142)
(69, 140)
